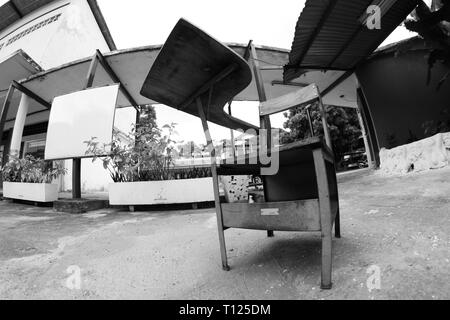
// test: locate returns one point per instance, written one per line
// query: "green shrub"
(146, 157)
(31, 170)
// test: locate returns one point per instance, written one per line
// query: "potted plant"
(142, 168)
(31, 179)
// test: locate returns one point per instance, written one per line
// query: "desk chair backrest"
(299, 98)
(295, 179)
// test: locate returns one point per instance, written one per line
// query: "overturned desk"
(199, 75)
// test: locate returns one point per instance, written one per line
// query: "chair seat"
(296, 152)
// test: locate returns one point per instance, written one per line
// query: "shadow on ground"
(399, 225)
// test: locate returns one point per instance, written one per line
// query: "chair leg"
(270, 234)
(223, 250)
(326, 261)
(215, 177)
(325, 211)
(337, 225)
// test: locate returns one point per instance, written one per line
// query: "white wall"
(78, 36)
(93, 176)
(35, 42)
(74, 35)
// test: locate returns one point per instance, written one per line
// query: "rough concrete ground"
(400, 224)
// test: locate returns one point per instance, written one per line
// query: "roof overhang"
(17, 66)
(333, 34)
(132, 67)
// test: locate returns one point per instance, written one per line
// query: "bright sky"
(136, 23)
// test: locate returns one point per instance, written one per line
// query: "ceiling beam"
(320, 68)
(31, 94)
(337, 82)
(248, 50)
(116, 79)
(207, 85)
(289, 83)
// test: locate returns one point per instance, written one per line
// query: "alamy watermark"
(373, 20)
(73, 281)
(259, 148)
(374, 280)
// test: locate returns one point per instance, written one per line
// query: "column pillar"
(366, 141)
(19, 124)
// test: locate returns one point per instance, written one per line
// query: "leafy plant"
(146, 156)
(31, 170)
(343, 123)
(432, 24)
(174, 173)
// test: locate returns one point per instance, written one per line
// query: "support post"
(264, 120)
(233, 150)
(76, 163)
(4, 111)
(99, 58)
(19, 124)
(223, 250)
(326, 130)
(138, 116)
(6, 149)
(308, 113)
(364, 133)
(15, 137)
(22, 112)
(91, 72)
(4, 156)
(76, 178)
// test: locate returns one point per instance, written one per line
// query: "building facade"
(40, 35)
(405, 99)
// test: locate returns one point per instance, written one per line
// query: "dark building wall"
(399, 99)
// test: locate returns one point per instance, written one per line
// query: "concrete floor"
(400, 225)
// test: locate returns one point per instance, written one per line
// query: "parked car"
(354, 160)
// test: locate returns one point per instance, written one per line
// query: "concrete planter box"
(161, 192)
(37, 192)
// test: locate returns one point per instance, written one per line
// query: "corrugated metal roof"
(332, 35)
